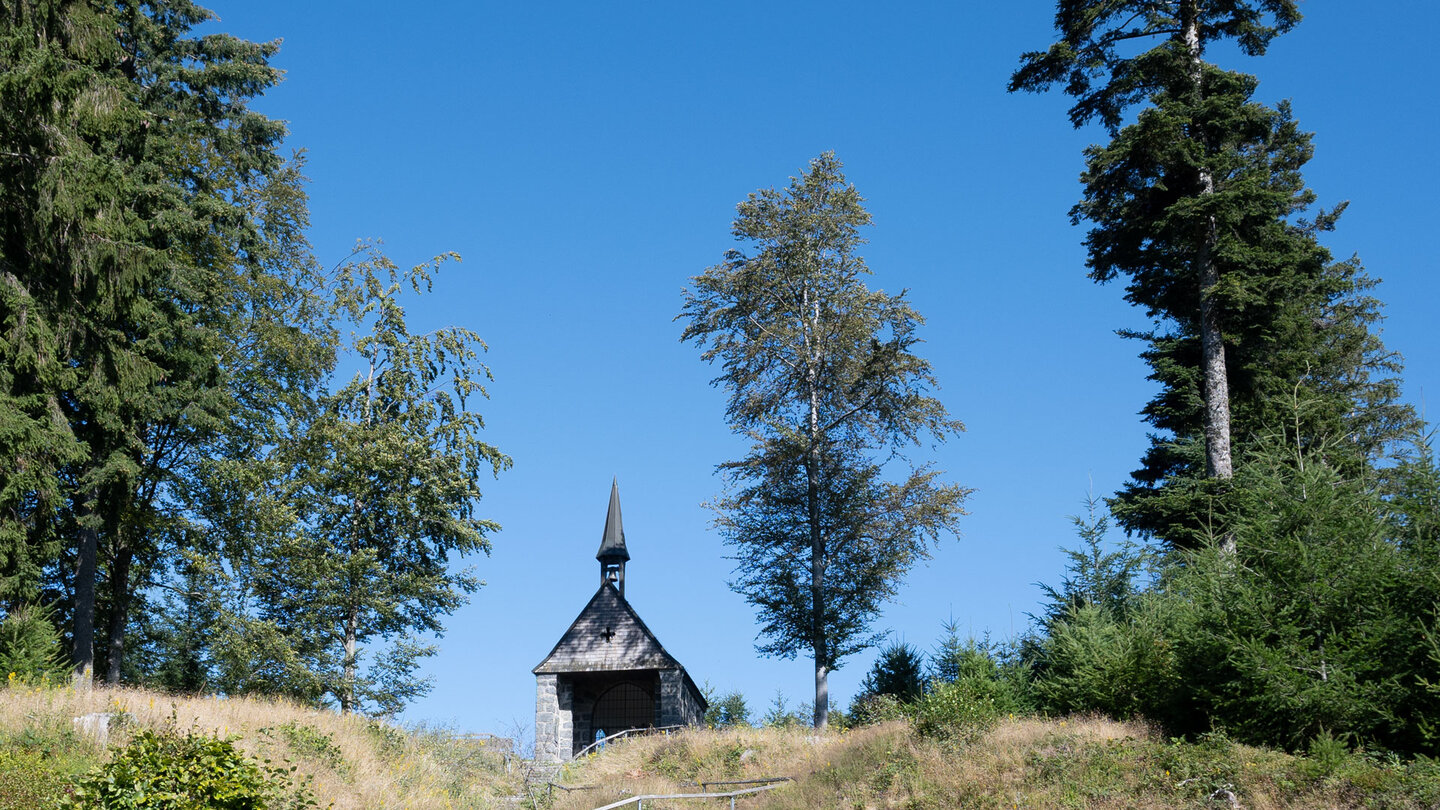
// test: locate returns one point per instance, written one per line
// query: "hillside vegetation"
(1076, 762)
(344, 761)
(354, 762)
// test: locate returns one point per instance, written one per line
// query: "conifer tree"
(1198, 203)
(152, 232)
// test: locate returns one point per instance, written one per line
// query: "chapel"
(608, 673)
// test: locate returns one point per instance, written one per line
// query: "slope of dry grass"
(1071, 763)
(1075, 762)
(352, 762)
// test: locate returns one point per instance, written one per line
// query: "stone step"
(539, 773)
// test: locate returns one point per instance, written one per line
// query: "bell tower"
(612, 554)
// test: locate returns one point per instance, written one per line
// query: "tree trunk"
(817, 574)
(347, 687)
(84, 593)
(1218, 462)
(119, 613)
(811, 311)
(352, 614)
(817, 593)
(1212, 345)
(822, 695)
(1215, 380)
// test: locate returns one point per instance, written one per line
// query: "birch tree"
(389, 471)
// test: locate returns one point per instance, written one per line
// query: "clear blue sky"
(586, 158)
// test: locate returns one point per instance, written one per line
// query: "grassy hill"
(1081, 763)
(350, 761)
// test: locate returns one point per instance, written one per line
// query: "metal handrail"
(766, 780)
(568, 788)
(617, 735)
(702, 785)
(639, 801)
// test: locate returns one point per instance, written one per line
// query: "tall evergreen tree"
(87, 254)
(822, 376)
(151, 226)
(243, 282)
(52, 58)
(1198, 204)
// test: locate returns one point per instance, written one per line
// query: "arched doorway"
(622, 706)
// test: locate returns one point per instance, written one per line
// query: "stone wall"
(672, 691)
(565, 703)
(554, 720)
(547, 719)
(678, 703)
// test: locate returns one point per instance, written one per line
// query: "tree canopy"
(165, 333)
(822, 377)
(1199, 204)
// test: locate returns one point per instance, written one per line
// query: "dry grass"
(1072, 763)
(677, 763)
(352, 762)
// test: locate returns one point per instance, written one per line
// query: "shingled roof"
(607, 635)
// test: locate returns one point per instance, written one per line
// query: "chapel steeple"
(612, 554)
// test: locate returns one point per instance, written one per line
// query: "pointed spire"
(612, 543)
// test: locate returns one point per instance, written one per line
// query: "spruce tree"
(1199, 204)
(150, 225)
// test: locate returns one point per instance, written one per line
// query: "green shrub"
(1319, 620)
(990, 668)
(1211, 763)
(389, 741)
(47, 737)
(727, 710)
(1121, 667)
(314, 744)
(170, 770)
(867, 709)
(957, 711)
(1326, 754)
(781, 716)
(29, 782)
(30, 649)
